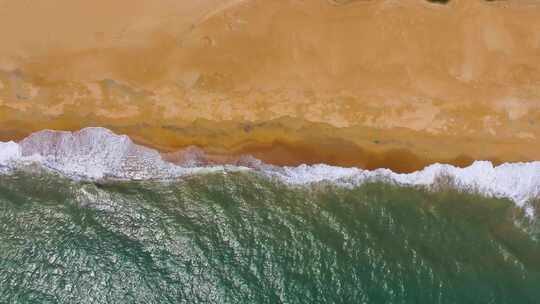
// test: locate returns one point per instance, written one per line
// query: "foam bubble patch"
(98, 153)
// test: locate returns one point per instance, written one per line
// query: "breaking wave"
(99, 154)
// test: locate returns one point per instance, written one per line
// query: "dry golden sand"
(381, 83)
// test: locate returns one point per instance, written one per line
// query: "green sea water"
(242, 238)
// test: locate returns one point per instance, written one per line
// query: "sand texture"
(379, 83)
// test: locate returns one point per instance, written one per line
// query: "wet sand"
(292, 142)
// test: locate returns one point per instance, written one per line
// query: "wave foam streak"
(91, 153)
(98, 153)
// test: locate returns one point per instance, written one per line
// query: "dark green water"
(239, 238)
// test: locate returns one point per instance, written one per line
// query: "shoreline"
(96, 154)
(289, 142)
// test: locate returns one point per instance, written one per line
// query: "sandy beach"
(397, 84)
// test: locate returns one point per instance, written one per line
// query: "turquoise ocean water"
(243, 238)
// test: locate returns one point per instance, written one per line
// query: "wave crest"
(93, 153)
(98, 153)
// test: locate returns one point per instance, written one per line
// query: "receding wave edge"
(98, 153)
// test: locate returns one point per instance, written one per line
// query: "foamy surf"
(98, 153)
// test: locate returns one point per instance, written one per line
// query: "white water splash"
(519, 182)
(98, 153)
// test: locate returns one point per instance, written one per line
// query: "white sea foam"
(9, 151)
(97, 153)
(519, 182)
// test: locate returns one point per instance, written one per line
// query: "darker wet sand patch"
(330, 153)
(290, 142)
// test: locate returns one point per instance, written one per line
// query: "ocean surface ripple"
(243, 238)
(91, 217)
